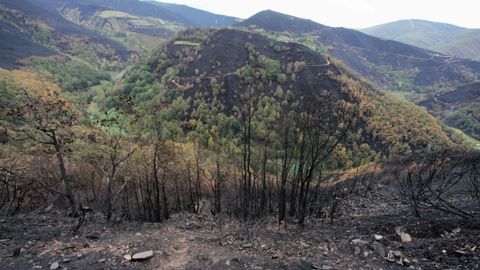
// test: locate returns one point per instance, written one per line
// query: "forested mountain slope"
(459, 108)
(218, 67)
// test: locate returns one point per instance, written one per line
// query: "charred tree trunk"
(263, 201)
(63, 171)
(166, 213)
(157, 184)
(109, 199)
(282, 200)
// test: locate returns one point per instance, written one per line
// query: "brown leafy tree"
(39, 112)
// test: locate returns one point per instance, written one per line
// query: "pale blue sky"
(351, 13)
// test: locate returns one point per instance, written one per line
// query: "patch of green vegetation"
(402, 81)
(272, 67)
(190, 38)
(70, 74)
(186, 42)
(138, 42)
(306, 40)
(461, 120)
(123, 27)
(462, 138)
(116, 14)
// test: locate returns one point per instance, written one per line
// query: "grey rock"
(54, 266)
(359, 241)
(405, 237)
(142, 255)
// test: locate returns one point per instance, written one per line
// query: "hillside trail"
(179, 252)
(187, 245)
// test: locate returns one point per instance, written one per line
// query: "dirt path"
(179, 255)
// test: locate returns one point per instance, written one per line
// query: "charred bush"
(437, 181)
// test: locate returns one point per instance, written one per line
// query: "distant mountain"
(100, 30)
(419, 33)
(445, 38)
(392, 64)
(135, 7)
(198, 17)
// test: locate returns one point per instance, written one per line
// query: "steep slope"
(212, 65)
(466, 45)
(459, 108)
(138, 33)
(15, 45)
(198, 17)
(135, 7)
(445, 38)
(97, 31)
(41, 24)
(395, 65)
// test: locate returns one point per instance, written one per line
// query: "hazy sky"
(351, 13)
